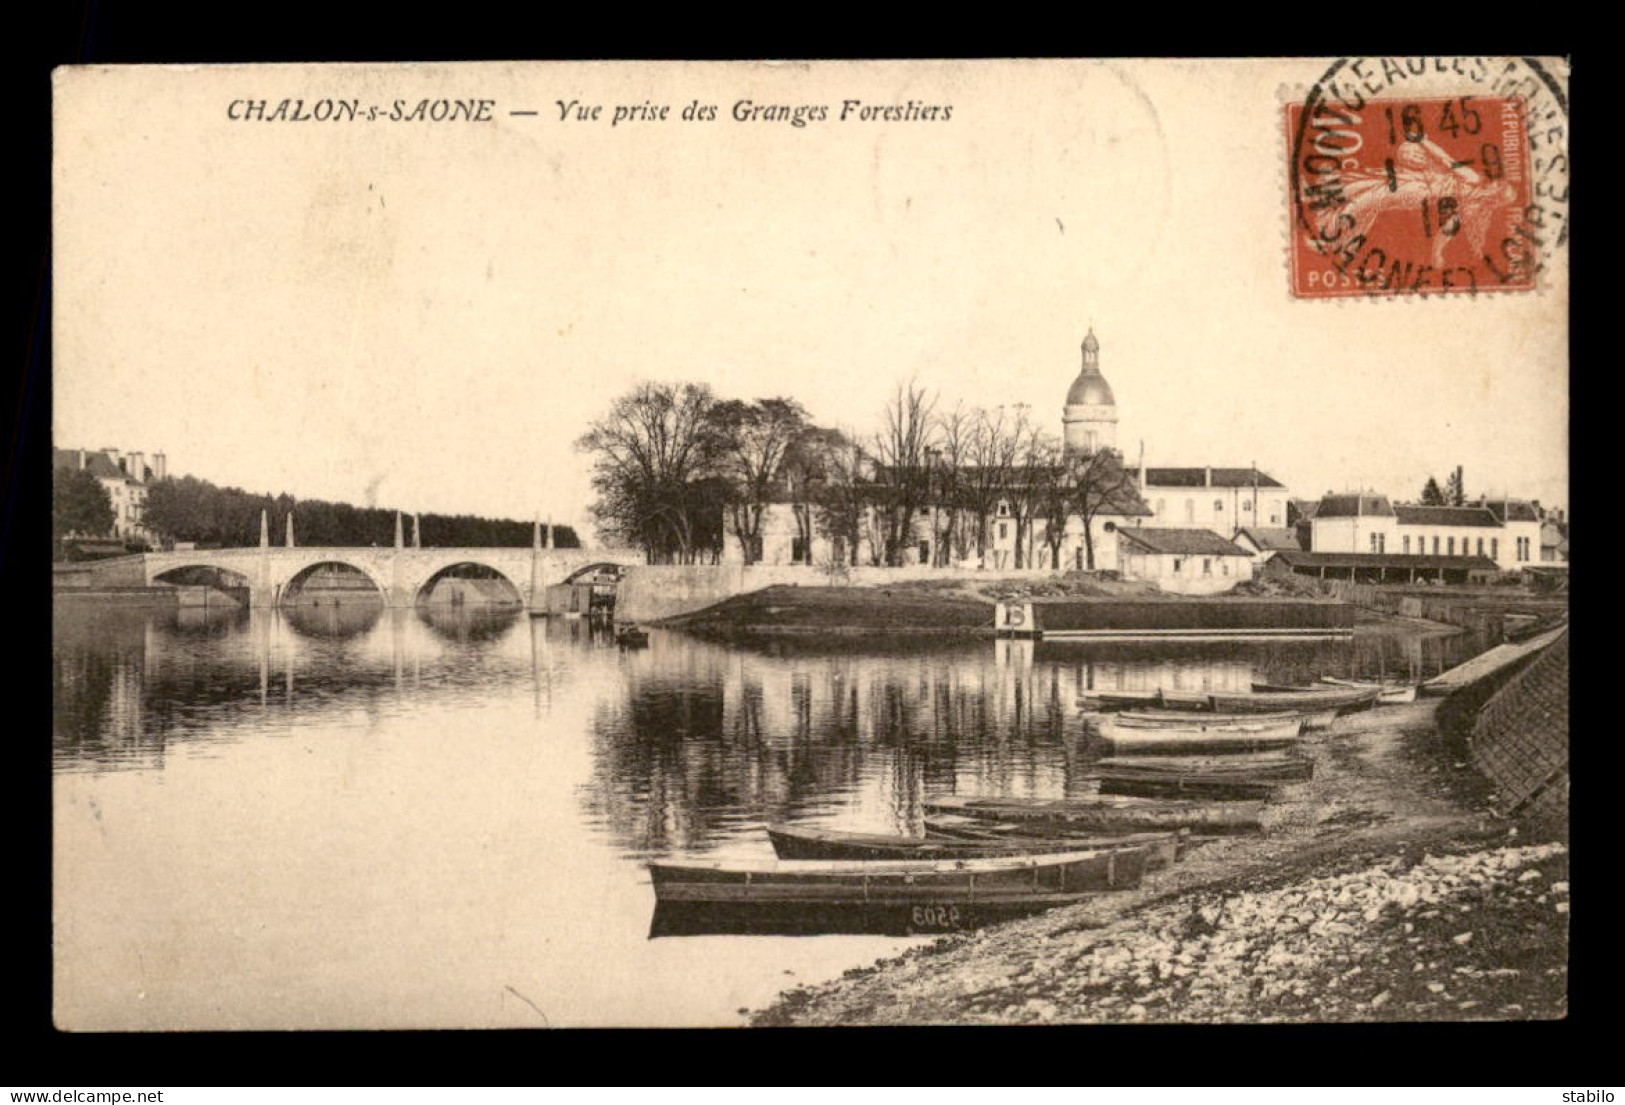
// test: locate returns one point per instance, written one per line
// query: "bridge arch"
(603, 568)
(353, 581)
(468, 582)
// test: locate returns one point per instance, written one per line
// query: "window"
(1405, 543)
(1275, 519)
(1480, 546)
(1246, 506)
(1495, 548)
(1004, 511)
(1224, 566)
(1207, 566)
(1004, 530)
(1190, 510)
(1218, 506)
(1177, 563)
(1379, 542)
(1450, 547)
(1435, 544)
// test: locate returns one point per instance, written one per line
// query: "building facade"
(1505, 531)
(125, 476)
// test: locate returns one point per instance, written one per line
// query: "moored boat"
(1109, 813)
(794, 842)
(1240, 764)
(631, 636)
(1218, 786)
(1340, 699)
(860, 896)
(1388, 694)
(1199, 735)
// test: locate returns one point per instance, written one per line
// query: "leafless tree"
(991, 454)
(753, 441)
(1100, 484)
(654, 457)
(902, 479)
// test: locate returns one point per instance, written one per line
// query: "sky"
(427, 315)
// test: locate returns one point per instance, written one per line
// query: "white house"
(1223, 500)
(1184, 561)
(1506, 531)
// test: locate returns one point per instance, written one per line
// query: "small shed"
(1183, 561)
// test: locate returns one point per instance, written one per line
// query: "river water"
(346, 816)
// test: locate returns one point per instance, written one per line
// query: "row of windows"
(1218, 508)
(1378, 544)
(1207, 565)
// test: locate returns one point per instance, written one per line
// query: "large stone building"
(1506, 531)
(125, 476)
(1221, 500)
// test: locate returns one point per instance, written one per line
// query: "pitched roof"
(1191, 542)
(1303, 558)
(1355, 505)
(1205, 477)
(1412, 515)
(1511, 510)
(97, 463)
(1267, 537)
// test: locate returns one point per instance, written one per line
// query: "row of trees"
(677, 469)
(190, 509)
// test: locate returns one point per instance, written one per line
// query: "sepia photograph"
(675, 544)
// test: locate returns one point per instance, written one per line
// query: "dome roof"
(1090, 388)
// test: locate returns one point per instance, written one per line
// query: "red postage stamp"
(1419, 196)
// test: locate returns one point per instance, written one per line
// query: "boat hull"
(1272, 768)
(790, 843)
(1388, 694)
(1220, 788)
(913, 918)
(1226, 737)
(1003, 880)
(1109, 814)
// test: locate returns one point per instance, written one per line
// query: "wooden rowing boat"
(1197, 736)
(858, 896)
(1175, 705)
(792, 842)
(1220, 786)
(1242, 764)
(1109, 813)
(1341, 699)
(1278, 724)
(1388, 694)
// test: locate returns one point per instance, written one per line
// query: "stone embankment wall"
(649, 592)
(1520, 737)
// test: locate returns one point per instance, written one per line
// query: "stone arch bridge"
(400, 574)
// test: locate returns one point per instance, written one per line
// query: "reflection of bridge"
(401, 574)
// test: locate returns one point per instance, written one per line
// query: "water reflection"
(354, 762)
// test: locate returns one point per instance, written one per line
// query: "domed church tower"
(1089, 422)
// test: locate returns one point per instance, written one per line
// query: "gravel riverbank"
(1382, 890)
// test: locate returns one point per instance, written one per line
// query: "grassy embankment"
(951, 607)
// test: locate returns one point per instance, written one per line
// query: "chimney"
(137, 469)
(159, 469)
(83, 456)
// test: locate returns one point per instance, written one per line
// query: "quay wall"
(1520, 740)
(648, 592)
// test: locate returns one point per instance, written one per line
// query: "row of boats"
(983, 859)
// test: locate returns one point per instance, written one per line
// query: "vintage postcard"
(784, 543)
